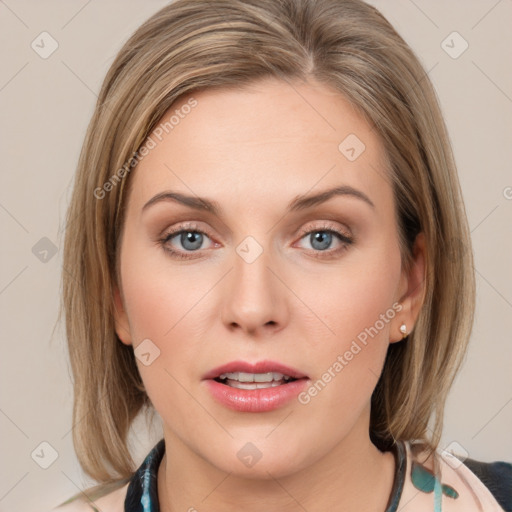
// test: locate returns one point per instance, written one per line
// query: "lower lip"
(255, 400)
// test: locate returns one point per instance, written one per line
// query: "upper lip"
(259, 367)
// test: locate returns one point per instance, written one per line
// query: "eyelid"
(186, 225)
(325, 225)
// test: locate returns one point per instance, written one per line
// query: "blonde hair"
(191, 45)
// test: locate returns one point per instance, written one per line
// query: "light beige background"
(46, 105)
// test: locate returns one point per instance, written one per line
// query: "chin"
(259, 459)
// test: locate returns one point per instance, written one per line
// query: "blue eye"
(191, 240)
(322, 239)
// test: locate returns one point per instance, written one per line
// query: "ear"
(411, 291)
(122, 325)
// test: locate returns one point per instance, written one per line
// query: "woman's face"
(271, 275)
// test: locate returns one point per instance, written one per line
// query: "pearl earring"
(403, 330)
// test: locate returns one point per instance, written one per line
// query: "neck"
(353, 476)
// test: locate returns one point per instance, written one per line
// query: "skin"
(253, 150)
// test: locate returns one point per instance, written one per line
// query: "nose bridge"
(254, 298)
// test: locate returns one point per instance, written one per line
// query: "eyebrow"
(299, 203)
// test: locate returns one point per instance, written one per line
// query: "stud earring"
(403, 330)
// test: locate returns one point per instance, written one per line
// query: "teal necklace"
(422, 478)
(426, 481)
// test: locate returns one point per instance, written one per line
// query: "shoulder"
(497, 477)
(103, 499)
(488, 484)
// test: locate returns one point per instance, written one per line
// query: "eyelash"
(345, 239)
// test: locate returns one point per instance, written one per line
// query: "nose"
(255, 298)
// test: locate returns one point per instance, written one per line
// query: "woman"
(268, 247)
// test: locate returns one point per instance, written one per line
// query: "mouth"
(244, 380)
(244, 375)
(254, 387)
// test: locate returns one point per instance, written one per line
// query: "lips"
(254, 387)
(254, 368)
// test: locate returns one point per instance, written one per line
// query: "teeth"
(267, 377)
(243, 380)
(254, 377)
(253, 385)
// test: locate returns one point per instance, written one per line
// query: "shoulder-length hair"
(191, 45)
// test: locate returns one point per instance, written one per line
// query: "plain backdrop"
(46, 106)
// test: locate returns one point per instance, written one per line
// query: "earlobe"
(400, 330)
(122, 325)
(414, 296)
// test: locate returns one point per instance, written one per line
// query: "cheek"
(163, 306)
(352, 297)
(159, 295)
(171, 305)
(357, 305)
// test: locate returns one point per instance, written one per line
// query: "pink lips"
(260, 367)
(255, 400)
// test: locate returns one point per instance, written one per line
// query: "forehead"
(263, 143)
